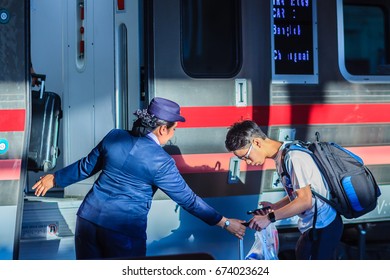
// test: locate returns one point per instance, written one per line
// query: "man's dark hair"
(240, 134)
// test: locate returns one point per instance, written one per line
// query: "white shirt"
(303, 171)
(153, 137)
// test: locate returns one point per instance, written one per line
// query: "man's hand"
(259, 222)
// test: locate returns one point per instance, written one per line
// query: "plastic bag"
(266, 245)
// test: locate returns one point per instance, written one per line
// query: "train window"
(210, 38)
(294, 43)
(363, 42)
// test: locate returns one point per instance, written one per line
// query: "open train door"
(14, 112)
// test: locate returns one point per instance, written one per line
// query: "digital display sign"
(294, 44)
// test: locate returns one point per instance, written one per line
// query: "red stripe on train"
(209, 163)
(307, 114)
(12, 120)
(10, 169)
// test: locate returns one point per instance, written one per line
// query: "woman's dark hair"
(146, 123)
(240, 134)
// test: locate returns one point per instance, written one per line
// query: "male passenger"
(248, 142)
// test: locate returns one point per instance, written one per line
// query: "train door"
(102, 70)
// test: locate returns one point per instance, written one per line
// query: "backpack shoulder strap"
(286, 149)
(296, 145)
(300, 146)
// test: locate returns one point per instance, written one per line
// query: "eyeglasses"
(246, 156)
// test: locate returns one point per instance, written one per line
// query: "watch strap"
(271, 217)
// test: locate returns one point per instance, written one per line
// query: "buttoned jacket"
(131, 169)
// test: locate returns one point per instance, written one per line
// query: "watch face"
(227, 223)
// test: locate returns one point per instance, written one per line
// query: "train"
(296, 67)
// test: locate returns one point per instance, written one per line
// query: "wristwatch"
(227, 223)
(271, 217)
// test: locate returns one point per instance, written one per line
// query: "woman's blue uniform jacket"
(121, 197)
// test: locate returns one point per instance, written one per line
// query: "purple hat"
(165, 109)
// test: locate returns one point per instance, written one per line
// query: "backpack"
(352, 187)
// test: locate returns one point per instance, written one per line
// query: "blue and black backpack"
(353, 189)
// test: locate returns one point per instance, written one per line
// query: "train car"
(296, 67)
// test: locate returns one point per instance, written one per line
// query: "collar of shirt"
(279, 154)
(153, 137)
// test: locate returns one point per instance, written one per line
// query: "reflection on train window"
(210, 38)
(366, 47)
